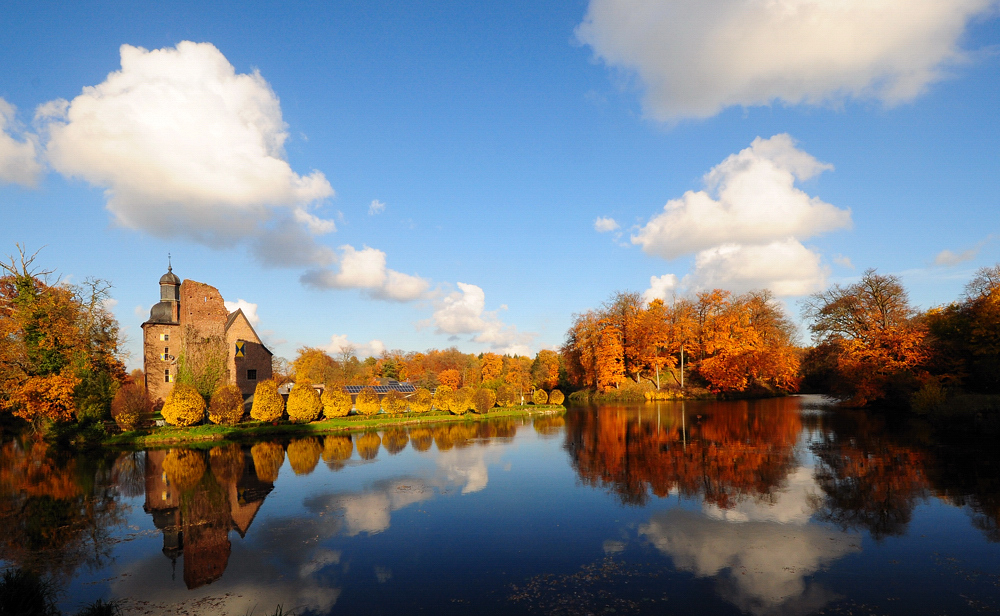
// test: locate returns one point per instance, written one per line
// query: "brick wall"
(152, 364)
(256, 356)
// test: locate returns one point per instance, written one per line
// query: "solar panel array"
(403, 388)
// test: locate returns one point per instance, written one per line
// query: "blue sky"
(423, 174)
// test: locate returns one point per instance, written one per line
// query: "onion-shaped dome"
(170, 277)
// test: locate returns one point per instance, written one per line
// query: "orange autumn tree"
(545, 369)
(730, 343)
(59, 345)
(873, 336)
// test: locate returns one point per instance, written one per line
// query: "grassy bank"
(169, 435)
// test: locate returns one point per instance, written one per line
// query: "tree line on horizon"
(870, 345)
(61, 356)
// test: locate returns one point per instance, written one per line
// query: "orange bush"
(130, 406)
(226, 407)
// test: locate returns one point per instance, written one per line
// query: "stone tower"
(161, 338)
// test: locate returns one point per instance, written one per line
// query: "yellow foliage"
(395, 441)
(394, 403)
(227, 463)
(506, 396)
(303, 403)
(337, 448)
(368, 444)
(184, 467)
(460, 400)
(226, 407)
(268, 404)
(421, 439)
(303, 454)
(548, 426)
(368, 403)
(420, 401)
(336, 402)
(484, 400)
(539, 396)
(267, 460)
(441, 396)
(184, 406)
(492, 366)
(556, 397)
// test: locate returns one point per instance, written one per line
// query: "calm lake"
(764, 507)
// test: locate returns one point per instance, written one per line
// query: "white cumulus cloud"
(185, 146)
(18, 158)
(746, 227)
(785, 267)
(249, 310)
(751, 198)
(340, 343)
(464, 312)
(376, 207)
(659, 287)
(696, 57)
(366, 269)
(605, 224)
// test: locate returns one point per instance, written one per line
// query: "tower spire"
(170, 267)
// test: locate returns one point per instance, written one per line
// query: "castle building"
(191, 325)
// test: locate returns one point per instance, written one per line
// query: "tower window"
(165, 337)
(166, 376)
(166, 350)
(251, 375)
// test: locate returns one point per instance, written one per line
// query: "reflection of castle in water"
(196, 523)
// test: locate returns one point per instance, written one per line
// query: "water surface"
(765, 507)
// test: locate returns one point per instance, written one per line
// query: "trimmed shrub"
(268, 404)
(484, 400)
(267, 460)
(556, 397)
(441, 396)
(548, 426)
(184, 406)
(336, 402)
(394, 403)
(130, 406)
(539, 396)
(368, 444)
(303, 454)
(395, 441)
(303, 403)
(458, 401)
(468, 394)
(227, 463)
(337, 449)
(184, 467)
(368, 402)
(420, 401)
(506, 396)
(226, 407)
(421, 438)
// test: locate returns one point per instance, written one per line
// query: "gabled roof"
(239, 313)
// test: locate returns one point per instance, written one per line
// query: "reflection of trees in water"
(57, 511)
(368, 445)
(965, 470)
(337, 450)
(303, 454)
(129, 474)
(549, 425)
(184, 468)
(267, 460)
(870, 479)
(724, 452)
(421, 439)
(395, 441)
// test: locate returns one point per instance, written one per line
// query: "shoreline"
(169, 435)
